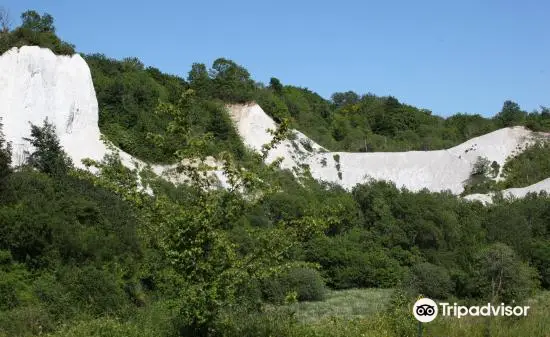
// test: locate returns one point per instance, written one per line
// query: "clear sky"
(446, 56)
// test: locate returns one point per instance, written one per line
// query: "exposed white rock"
(514, 193)
(36, 84)
(415, 170)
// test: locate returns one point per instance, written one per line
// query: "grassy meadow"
(368, 312)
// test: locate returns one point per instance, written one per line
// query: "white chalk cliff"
(35, 84)
(415, 170)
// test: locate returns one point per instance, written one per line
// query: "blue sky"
(446, 56)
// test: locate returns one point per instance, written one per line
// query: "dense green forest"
(86, 254)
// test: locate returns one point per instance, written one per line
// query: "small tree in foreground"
(48, 156)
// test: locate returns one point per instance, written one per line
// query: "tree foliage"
(528, 167)
(48, 156)
(35, 30)
(37, 23)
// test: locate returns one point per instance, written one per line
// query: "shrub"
(26, 321)
(431, 281)
(307, 283)
(347, 264)
(529, 167)
(501, 276)
(481, 167)
(306, 143)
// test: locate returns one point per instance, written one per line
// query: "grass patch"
(352, 303)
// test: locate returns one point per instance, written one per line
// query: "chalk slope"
(415, 170)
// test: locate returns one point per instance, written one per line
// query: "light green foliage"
(350, 122)
(346, 304)
(394, 319)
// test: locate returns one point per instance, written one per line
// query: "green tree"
(341, 99)
(431, 281)
(48, 156)
(481, 167)
(501, 276)
(232, 83)
(37, 23)
(276, 85)
(199, 80)
(510, 115)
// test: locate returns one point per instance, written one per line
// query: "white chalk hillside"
(434, 170)
(36, 84)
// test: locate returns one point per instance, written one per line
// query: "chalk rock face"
(415, 170)
(35, 84)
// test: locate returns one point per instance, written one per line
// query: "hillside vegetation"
(528, 167)
(520, 170)
(86, 254)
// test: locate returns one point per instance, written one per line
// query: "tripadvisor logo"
(426, 310)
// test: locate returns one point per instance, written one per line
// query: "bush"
(26, 321)
(501, 276)
(431, 281)
(97, 291)
(529, 167)
(306, 283)
(347, 264)
(481, 167)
